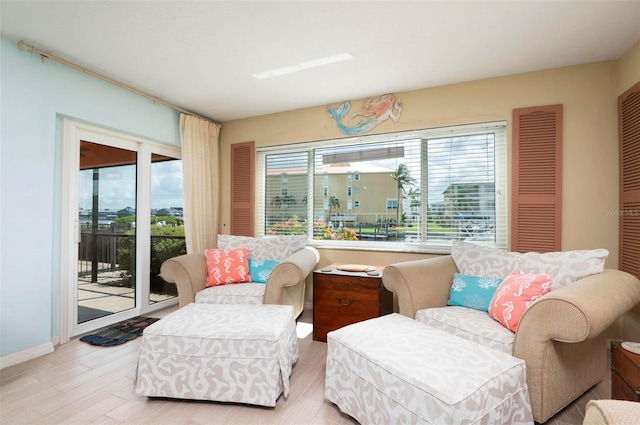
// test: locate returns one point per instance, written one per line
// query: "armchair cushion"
(565, 267)
(240, 293)
(227, 266)
(473, 325)
(515, 294)
(264, 248)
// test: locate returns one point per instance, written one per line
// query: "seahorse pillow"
(515, 294)
(260, 270)
(227, 266)
(473, 291)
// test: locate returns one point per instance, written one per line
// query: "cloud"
(117, 187)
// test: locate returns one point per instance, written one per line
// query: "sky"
(117, 188)
(460, 159)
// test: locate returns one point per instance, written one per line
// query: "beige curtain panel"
(200, 181)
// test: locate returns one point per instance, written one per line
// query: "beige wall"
(629, 68)
(590, 160)
(588, 94)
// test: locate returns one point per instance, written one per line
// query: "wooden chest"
(625, 373)
(342, 298)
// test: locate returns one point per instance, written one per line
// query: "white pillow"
(264, 248)
(564, 266)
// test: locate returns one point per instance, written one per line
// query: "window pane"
(461, 188)
(386, 172)
(167, 223)
(286, 189)
(107, 249)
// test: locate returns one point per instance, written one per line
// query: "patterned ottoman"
(227, 352)
(395, 370)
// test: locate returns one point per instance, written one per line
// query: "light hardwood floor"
(83, 384)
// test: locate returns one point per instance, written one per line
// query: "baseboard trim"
(23, 356)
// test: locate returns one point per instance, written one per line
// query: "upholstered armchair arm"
(562, 339)
(188, 272)
(287, 280)
(581, 310)
(420, 284)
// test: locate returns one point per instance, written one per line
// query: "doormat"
(120, 332)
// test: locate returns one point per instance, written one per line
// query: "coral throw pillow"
(227, 266)
(515, 294)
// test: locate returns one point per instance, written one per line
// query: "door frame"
(72, 133)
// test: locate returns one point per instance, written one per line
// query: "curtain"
(200, 181)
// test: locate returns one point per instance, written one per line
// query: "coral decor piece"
(374, 111)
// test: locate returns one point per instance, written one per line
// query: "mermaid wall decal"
(374, 111)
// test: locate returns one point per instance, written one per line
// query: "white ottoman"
(395, 370)
(225, 352)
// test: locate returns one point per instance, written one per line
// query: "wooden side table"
(625, 373)
(341, 298)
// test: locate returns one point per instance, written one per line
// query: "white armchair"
(285, 285)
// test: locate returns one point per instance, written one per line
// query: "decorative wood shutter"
(536, 215)
(242, 184)
(629, 134)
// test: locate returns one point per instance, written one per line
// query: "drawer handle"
(339, 299)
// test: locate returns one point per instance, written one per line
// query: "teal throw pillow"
(472, 291)
(261, 269)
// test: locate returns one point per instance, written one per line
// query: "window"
(426, 188)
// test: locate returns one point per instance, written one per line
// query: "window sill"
(382, 247)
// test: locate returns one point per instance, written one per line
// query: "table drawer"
(626, 370)
(620, 390)
(340, 300)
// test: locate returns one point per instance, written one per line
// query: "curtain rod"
(24, 46)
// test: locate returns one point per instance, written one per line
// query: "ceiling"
(203, 55)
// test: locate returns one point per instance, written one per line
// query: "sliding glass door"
(122, 217)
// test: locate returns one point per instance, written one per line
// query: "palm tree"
(402, 176)
(415, 196)
(333, 203)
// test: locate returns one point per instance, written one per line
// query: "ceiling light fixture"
(303, 65)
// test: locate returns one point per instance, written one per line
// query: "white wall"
(35, 96)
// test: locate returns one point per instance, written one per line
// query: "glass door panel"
(167, 223)
(107, 216)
